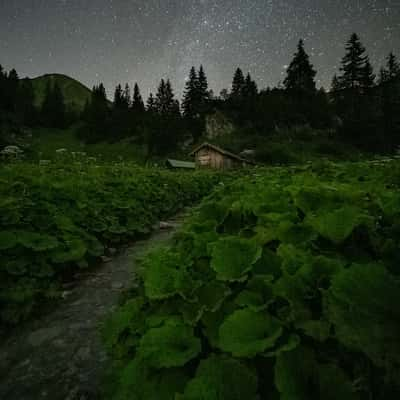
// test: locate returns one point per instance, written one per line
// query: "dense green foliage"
(283, 285)
(55, 219)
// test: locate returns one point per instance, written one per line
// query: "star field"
(118, 41)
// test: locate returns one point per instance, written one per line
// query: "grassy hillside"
(75, 93)
(44, 143)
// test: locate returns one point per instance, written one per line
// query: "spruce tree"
(353, 64)
(190, 96)
(300, 73)
(368, 76)
(392, 69)
(126, 97)
(250, 89)
(202, 85)
(151, 103)
(137, 102)
(238, 85)
(118, 97)
(165, 101)
(390, 102)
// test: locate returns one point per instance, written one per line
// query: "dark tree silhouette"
(151, 103)
(53, 108)
(353, 64)
(137, 101)
(300, 73)
(190, 100)
(238, 85)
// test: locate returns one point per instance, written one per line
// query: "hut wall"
(208, 157)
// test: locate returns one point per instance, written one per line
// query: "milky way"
(126, 41)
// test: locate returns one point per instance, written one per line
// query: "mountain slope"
(75, 93)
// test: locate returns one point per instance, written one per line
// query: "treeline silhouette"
(361, 108)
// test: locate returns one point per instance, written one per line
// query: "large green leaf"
(8, 240)
(72, 250)
(338, 225)
(165, 275)
(139, 382)
(233, 257)
(37, 241)
(298, 376)
(171, 345)
(246, 333)
(221, 378)
(362, 303)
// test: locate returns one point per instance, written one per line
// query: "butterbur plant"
(281, 286)
(57, 218)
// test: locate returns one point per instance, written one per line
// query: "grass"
(75, 93)
(45, 143)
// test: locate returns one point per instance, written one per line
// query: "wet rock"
(166, 225)
(111, 251)
(83, 354)
(117, 285)
(105, 259)
(43, 335)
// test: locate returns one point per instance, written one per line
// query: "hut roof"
(181, 164)
(219, 150)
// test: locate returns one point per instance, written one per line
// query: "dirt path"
(59, 356)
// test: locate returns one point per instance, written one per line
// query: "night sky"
(114, 41)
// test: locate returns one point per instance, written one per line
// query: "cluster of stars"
(144, 40)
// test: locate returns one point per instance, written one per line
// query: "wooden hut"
(208, 155)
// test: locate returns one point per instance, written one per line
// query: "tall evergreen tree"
(202, 86)
(137, 102)
(238, 84)
(368, 76)
(250, 87)
(119, 101)
(392, 69)
(353, 64)
(165, 102)
(126, 96)
(189, 103)
(300, 73)
(151, 103)
(98, 115)
(390, 102)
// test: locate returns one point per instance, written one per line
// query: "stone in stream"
(43, 335)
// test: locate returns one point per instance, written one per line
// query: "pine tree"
(11, 90)
(250, 89)
(118, 97)
(151, 103)
(189, 103)
(390, 102)
(392, 69)
(238, 85)
(165, 102)
(368, 76)
(353, 64)
(126, 97)
(336, 84)
(202, 85)
(300, 73)
(137, 102)
(98, 116)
